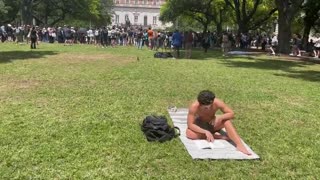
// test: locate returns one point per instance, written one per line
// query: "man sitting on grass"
(204, 124)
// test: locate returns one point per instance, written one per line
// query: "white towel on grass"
(201, 149)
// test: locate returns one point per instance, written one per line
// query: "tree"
(287, 10)
(3, 9)
(51, 12)
(220, 11)
(251, 14)
(201, 11)
(54, 11)
(26, 11)
(9, 10)
(311, 9)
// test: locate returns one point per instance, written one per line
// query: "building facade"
(143, 13)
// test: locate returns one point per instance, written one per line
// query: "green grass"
(74, 113)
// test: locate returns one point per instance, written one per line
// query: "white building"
(144, 13)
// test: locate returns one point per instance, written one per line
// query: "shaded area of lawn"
(286, 66)
(266, 64)
(9, 56)
(305, 75)
(216, 53)
(259, 61)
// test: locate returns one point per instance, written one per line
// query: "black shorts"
(204, 125)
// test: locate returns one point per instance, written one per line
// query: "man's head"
(206, 97)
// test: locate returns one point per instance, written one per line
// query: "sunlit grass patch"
(74, 112)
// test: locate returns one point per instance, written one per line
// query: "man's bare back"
(203, 122)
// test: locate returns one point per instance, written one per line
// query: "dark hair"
(206, 97)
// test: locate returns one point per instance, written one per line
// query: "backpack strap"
(153, 135)
(150, 135)
(169, 135)
(165, 136)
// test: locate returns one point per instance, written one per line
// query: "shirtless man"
(203, 123)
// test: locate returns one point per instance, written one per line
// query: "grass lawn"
(75, 113)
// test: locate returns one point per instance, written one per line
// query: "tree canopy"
(51, 12)
(251, 14)
(3, 9)
(247, 14)
(8, 10)
(204, 12)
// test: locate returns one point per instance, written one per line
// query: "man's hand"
(209, 136)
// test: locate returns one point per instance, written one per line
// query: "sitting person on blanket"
(204, 124)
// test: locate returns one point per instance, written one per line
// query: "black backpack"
(162, 55)
(156, 128)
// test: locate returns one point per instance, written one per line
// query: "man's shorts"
(204, 125)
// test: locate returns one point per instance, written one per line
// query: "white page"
(204, 144)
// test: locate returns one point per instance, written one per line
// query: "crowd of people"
(152, 39)
(313, 47)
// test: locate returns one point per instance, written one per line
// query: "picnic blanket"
(201, 149)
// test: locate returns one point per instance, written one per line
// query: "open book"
(204, 144)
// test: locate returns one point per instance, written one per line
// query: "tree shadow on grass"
(216, 53)
(199, 54)
(276, 64)
(258, 63)
(259, 60)
(313, 76)
(9, 56)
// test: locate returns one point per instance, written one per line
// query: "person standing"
(188, 41)
(226, 44)
(104, 37)
(274, 44)
(33, 37)
(295, 46)
(205, 42)
(176, 43)
(140, 39)
(150, 38)
(317, 48)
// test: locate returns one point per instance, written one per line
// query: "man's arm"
(228, 114)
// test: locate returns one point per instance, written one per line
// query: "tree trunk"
(205, 27)
(219, 23)
(284, 34)
(287, 9)
(46, 15)
(219, 29)
(27, 12)
(46, 20)
(306, 32)
(309, 21)
(242, 28)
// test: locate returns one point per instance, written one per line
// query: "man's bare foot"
(243, 150)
